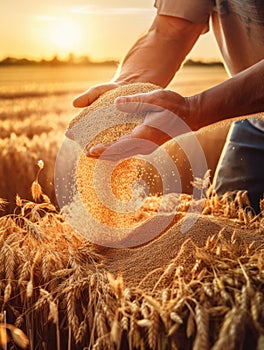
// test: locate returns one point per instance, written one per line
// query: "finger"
(69, 134)
(143, 140)
(138, 103)
(150, 133)
(92, 94)
(96, 151)
(122, 149)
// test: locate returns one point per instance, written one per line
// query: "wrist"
(196, 117)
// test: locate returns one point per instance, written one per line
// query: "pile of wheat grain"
(199, 290)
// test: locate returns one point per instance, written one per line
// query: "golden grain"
(164, 296)
(36, 191)
(173, 329)
(202, 328)
(145, 309)
(190, 326)
(71, 313)
(125, 323)
(4, 338)
(7, 292)
(115, 331)
(153, 329)
(82, 331)
(19, 202)
(53, 312)
(117, 285)
(153, 302)
(144, 323)
(40, 164)
(127, 293)
(19, 337)
(176, 318)
(29, 290)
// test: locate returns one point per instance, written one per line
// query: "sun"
(65, 35)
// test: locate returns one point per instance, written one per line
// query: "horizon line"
(86, 59)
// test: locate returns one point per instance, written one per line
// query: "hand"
(90, 95)
(167, 115)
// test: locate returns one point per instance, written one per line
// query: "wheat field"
(198, 290)
(35, 110)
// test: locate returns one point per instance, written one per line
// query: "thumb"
(90, 95)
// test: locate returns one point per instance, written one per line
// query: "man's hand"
(167, 114)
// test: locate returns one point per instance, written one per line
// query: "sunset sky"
(101, 29)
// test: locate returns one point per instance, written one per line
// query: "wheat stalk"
(153, 329)
(202, 328)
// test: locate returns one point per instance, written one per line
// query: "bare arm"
(158, 55)
(236, 97)
(241, 95)
(155, 57)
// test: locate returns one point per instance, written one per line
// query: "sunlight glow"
(65, 35)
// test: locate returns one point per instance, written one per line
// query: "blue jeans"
(241, 166)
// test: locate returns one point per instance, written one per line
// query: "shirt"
(238, 26)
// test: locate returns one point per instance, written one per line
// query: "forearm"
(146, 62)
(157, 56)
(238, 96)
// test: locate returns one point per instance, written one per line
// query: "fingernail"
(70, 134)
(94, 151)
(75, 102)
(89, 153)
(121, 99)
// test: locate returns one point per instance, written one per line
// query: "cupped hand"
(167, 115)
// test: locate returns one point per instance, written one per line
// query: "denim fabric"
(241, 165)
